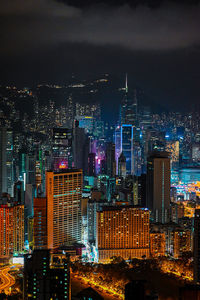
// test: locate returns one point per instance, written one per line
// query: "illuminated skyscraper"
(64, 193)
(173, 149)
(122, 231)
(139, 190)
(158, 186)
(157, 244)
(11, 229)
(127, 146)
(6, 161)
(129, 107)
(6, 231)
(122, 165)
(137, 159)
(182, 242)
(117, 145)
(70, 112)
(62, 148)
(18, 228)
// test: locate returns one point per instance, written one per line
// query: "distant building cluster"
(75, 185)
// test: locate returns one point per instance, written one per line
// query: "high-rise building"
(137, 159)
(122, 231)
(40, 223)
(19, 193)
(197, 246)
(158, 186)
(117, 146)
(61, 148)
(92, 207)
(6, 161)
(64, 193)
(182, 242)
(127, 146)
(122, 165)
(30, 168)
(176, 212)
(70, 112)
(11, 229)
(173, 149)
(196, 152)
(139, 190)
(157, 244)
(87, 123)
(128, 113)
(18, 228)
(81, 146)
(6, 231)
(46, 276)
(110, 159)
(92, 164)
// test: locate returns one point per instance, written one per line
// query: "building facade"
(46, 276)
(6, 161)
(122, 231)
(64, 194)
(40, 223)
(158, 186)
(157, 244)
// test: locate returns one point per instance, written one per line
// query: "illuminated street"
(80, 283)
(7, 280)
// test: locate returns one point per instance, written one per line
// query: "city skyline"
(160, 54)
(100, 150)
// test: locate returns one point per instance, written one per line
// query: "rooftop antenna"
(126, 84)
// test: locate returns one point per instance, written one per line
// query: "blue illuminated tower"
(127, 146)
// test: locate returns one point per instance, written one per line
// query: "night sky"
(156, 42)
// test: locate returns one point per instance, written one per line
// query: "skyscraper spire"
(126, 84)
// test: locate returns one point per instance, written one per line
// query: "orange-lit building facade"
(182, 242)
(157, 244)
(173, 149)
(11, 230)
(6, 231)
(176, 212)
(64, 194)
(40, 223)
(18, 228)
(122, 231)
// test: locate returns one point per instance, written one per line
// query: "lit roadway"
(100, 288)
(6, 279)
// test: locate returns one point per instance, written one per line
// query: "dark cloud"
(44, 40)
(28, 25)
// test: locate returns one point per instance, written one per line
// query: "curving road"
(6, 279)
